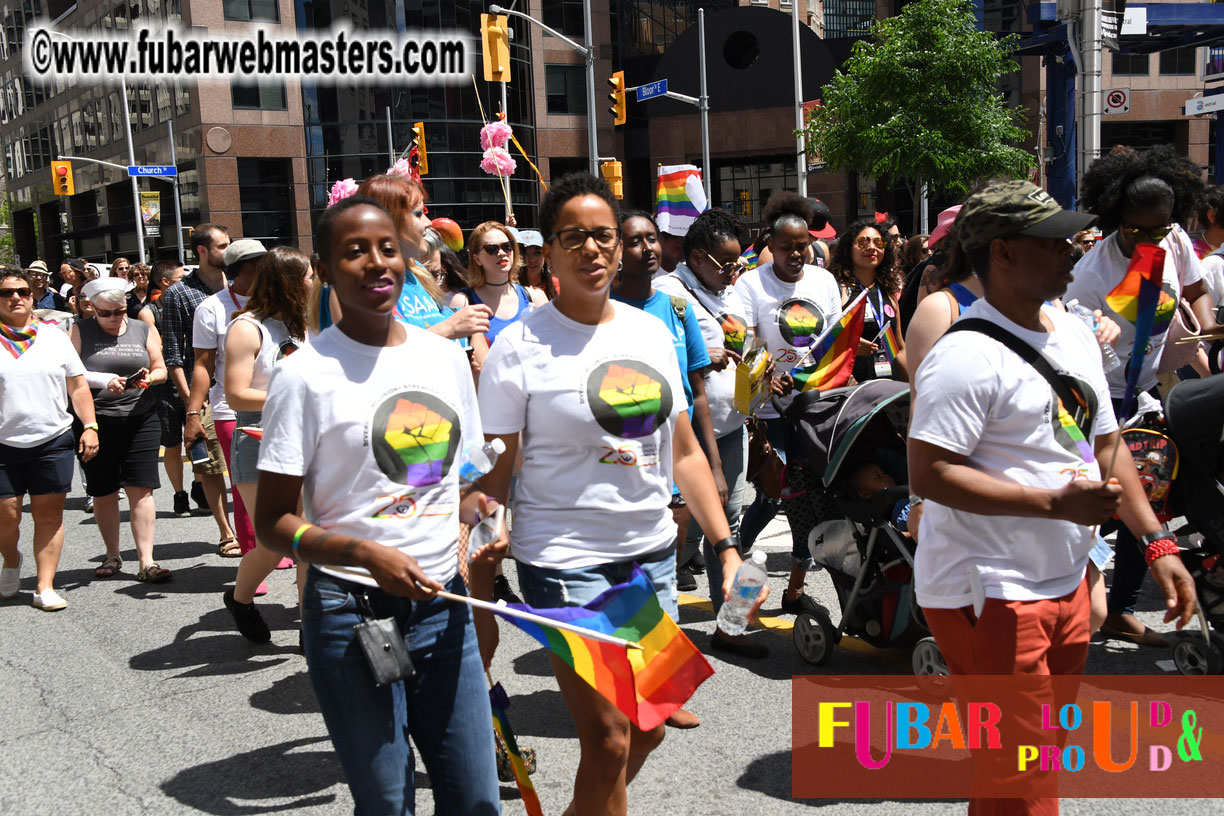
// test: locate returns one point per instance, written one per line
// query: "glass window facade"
(745, 187)
(261, 96)
(264, 11)
(848, 18)
(565, 16)
(265, 190)
(1130, 64)
(565, 89)
(1179, 61)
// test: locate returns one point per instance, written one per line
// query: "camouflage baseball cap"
(1010, 208)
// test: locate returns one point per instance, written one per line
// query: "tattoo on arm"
(932, 278)
(346, 555)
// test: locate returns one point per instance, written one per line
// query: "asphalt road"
(142, 699)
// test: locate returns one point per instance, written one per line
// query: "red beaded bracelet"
(1159, 548)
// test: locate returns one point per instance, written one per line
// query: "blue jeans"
(733, 451)
(444, 708)
(551, 588)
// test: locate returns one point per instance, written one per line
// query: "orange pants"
(1015, 637)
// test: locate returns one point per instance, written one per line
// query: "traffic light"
(612, 174)
(495, 44)
(61, 178)
(618, 98)
(418, 141)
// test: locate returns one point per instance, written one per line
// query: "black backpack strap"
(1031, 356)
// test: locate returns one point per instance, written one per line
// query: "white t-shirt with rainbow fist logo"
(597, 406)
(789, 317)
(378, 435)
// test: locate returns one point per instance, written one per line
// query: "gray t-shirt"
(121, 355)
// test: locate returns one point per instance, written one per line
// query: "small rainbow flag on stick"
(680, 198)
(647, 684)
(888, 341)
(830, 361)
(1138, 298)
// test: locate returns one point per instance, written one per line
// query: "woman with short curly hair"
(1140, 198)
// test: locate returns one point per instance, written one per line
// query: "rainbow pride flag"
(888, 342)
(499, 701)
(751, 258)
(1140, 299)
(647, 684)
(830, 361)
(680, 198)
(1072, 430)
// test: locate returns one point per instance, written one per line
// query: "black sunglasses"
(5, 294)
(493, 249)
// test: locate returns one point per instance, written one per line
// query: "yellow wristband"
(91, 426)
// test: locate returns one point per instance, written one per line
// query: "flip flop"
(109, 567)
(1148, 637)
(153, 574)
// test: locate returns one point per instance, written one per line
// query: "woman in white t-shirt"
(788, 304)
(367, 425)
(39, 373)
(266, 331)
(1139, 198)
(594, 387)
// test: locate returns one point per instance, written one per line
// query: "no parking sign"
(1117, 101)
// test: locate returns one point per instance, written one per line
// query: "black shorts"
(172, 415)
(128, 453)
(42, 470)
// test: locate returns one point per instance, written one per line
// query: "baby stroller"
(870, 563)
(1194, 420)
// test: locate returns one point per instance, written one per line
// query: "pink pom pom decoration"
(495, 134)
(402, 168)
(341, 190)
(497, 162)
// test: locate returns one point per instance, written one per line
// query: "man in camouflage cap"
(1010, 472)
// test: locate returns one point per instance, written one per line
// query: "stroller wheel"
(815, 637)
(1193, 657)
(927, 660)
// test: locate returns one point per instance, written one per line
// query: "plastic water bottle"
(1109, 357)
(733, 616)
(478, 461)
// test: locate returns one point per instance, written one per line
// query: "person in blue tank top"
(493, 268)
(421, 302)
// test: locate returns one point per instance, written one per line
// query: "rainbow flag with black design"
(1140, 299)
(420, 437)
(499, 702)
(647, 684)
(830, 361)
(680, 198)
(735, 333)
(635, 396)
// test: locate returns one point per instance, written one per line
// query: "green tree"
(918, 103)
(6, 232)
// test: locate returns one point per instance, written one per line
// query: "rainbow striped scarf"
(18, 341)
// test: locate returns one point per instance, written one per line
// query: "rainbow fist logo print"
(735, 332)
(800, 323)
(415, 437)
(629, 399)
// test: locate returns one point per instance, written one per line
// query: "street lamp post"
(588, 53)
(127, 131)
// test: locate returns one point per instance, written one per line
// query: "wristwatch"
(725, 544)
(914, 501)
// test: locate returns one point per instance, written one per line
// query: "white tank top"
(275, 344)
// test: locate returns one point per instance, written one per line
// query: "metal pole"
(801, 162)
(705, 109)
(127, 131)
(589, 56)
(390, 139)
(923, 209)
(1090, 100)
(506, 180)
(178, 210)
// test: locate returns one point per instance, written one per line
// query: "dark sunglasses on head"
(493, 249)
(111, 313)
(1154, 235)
(863, 242)
(23, 292)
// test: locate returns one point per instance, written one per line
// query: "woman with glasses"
(138, 279)
(712, 262)
(493, 263)
(788, 304)
(865, 260)
(39, 373)
(595, 388)
(1140, 198)
(122, 358)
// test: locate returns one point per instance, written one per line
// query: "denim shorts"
(549, 588)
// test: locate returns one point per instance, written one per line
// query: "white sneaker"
(10, 580)
(49, 600)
